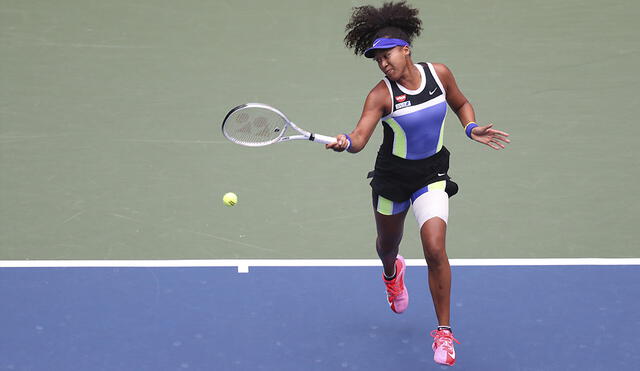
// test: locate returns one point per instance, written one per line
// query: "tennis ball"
(230, 199)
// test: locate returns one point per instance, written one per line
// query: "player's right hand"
(340, 145)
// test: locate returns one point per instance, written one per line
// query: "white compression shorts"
(431, 204)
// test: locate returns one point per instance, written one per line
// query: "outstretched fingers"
(496, 143)
(500, 138)
(498, 132)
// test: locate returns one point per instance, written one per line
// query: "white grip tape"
(323, 139)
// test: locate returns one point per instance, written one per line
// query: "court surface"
(315, 318)
(112, 163)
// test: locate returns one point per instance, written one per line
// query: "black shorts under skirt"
(396, 178)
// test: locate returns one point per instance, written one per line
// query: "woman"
(412, 163)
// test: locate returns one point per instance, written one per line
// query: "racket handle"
(322, 139)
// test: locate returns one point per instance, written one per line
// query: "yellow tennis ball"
(230, 199)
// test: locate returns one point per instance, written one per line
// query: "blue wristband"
(348, 140)
(469, 127)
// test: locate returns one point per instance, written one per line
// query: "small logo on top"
(401, 98)
(403, 104)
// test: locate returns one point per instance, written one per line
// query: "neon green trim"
(385, 207)
(399, 138)
(437, 186)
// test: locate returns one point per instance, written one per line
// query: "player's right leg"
(390, 218)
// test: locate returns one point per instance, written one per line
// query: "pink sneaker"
(397, 294)
(443, 352)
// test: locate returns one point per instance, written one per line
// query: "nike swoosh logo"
(434, 90)
(441, 174)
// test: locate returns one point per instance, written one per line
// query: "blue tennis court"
(315, 318)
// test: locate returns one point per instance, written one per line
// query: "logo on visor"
(401, 98)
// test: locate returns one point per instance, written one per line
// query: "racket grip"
(322, 139)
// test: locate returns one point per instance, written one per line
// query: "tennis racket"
(257, 124)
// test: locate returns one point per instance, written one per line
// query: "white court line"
(243, 265)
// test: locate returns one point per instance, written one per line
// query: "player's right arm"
(377, 105)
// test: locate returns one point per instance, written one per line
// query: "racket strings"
(254, 126)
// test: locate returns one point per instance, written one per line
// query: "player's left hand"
(495, 139)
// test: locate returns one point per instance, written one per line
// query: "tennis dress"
(412, 156)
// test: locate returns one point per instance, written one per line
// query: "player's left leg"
(433, 234)
(431, 208)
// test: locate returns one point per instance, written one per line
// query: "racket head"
(254, 125)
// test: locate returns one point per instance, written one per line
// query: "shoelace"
(393, 288)
(443, 339)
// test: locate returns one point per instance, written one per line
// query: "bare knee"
(433, 244)
(390, 229)
(436, 255)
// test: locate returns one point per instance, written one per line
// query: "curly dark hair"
(394, 20)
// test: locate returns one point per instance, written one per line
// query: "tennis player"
(412, 163)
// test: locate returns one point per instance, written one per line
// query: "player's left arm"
(459, 104)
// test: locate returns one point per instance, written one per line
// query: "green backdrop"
(111, 146)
